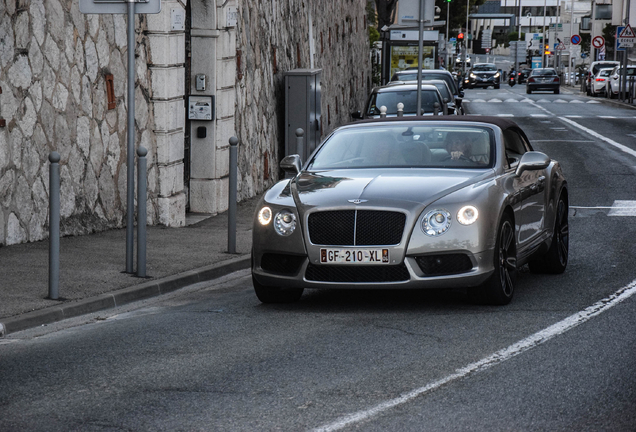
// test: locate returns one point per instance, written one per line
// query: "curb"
(122, 296)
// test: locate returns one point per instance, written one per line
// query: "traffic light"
(460, 37)
(546, 51)
(448, 1)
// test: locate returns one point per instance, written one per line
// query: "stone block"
(172, 210)
(170, 179)
(169, 147)
(225, 103)
(169, 115)
(223, 161)
(226, 73)
(167, 82)
(224, 131)
(204, 62)
(226, 44)
(166, 49)
(161, 22)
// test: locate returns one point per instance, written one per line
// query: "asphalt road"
(560, 357)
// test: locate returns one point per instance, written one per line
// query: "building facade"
(63, 78)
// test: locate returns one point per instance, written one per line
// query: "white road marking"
(538, 115)
(505, 115)
(607, 117)
(601, 137)
(573, 116)
(623, 208)
(494, 359)
(592, 102)
(576, 101)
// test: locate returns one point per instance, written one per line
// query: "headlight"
(497, 75)
(436, 222)
(265, 216)
(467, 215)
(472, 75)
(285, 223)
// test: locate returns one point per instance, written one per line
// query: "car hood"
(408, 189)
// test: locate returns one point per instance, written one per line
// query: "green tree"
(609, 33)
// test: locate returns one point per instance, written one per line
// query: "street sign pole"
(129, 7)
(130, 174)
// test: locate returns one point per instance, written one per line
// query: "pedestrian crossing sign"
(627, 32)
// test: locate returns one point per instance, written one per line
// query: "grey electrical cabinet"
(302, 110)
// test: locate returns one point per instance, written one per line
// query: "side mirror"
(533, 160)
(356, 115)
(291, 164)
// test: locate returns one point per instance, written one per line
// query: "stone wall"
(273, 37)
(54, 62)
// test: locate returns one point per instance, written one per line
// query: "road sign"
(560, 46)
(598, 42)
(575, 39)
(118, 6)
(626, 37)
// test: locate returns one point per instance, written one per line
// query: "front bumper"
(409, 274)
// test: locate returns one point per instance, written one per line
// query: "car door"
(528, 190)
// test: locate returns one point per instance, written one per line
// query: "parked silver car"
(425, 202)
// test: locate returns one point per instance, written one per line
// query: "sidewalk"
(92, 268)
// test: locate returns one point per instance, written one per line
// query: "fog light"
(265, 216)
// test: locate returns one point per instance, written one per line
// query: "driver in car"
(457, 148)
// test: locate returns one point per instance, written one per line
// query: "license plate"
(354, 256)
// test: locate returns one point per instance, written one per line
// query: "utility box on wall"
(302, 110)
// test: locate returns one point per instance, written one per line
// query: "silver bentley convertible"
(425, 202)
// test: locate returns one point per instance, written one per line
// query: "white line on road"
(601, 137)
(500, 356)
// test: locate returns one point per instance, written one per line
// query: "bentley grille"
(356, 227)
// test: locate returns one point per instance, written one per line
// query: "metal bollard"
(231, 215)
(382, 111)
(142, 192)
(54, 225)
(436, 108)
(300, 150)
(400, 109)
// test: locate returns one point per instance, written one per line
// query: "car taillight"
(530, 80)
(600, 79)
(556, 79)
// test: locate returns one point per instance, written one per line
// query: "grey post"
(141, 211)
(231, 230)
(400, 109)
(54, 225)
(300, 147)
(382, 111)
(130, 174)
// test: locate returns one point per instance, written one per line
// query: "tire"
(556, 91)
(556, 259)
(497, 87)
(528, 91)
(275, 294)
(499, 288)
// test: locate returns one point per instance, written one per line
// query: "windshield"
(406, 146)
(485, 68)
(390, 99)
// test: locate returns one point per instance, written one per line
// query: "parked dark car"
(391, 95)
(543, 79)
(483, 75)
(433, 74)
